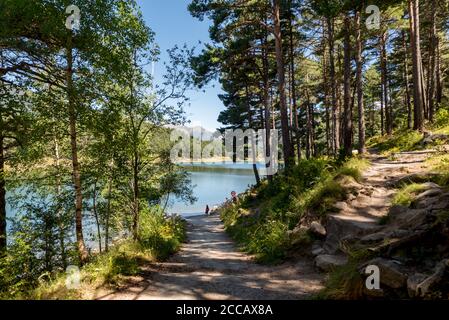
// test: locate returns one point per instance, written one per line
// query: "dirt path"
(210, 267)
(360, 215)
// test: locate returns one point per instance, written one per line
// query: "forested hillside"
(329, 74)
(358, 91)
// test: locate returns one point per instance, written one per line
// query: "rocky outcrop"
(430, 138)
(391, 274)
(327, 262)
(317, 229)
(410, 248)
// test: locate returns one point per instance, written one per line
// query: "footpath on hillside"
(210, 266)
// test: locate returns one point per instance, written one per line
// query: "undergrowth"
(159, 237)
(261, 221)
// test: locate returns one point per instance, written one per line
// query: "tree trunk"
(293, 92)
(108, 214)
(326, 91)
(418, 101)
(59, 210)
(82, 252)
(3, 234)
(252, 138)
(286, 143)
(347, 124)
(135, 196)
(335, 122)
(359, 80)
(385, 81)
(432, 63)
(340, 88)
(407, 83)
(439, 85)
(266, 100)
(97, 220)
(309, 126)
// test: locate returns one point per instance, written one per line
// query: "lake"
(213, 183)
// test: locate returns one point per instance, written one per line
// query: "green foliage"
(159, 235)
(403, 140)
(406, 195)
(262, 219)
(441, 121)
(346, 282)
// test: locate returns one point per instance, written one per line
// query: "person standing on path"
(207, 210)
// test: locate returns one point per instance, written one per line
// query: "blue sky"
(174, 25)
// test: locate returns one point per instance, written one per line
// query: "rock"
(397, 210)
(400, 233)
(341, 206)
(345, 227)
(429, 193)
(432, 282)
(349, 183)
(411, 218)
(412, 283)
(440, 205)
(317, 229)
(417, 178)
(298, 234)
(430, 185)
(390, 273)
(432, 138)
(327, 262)
(374, 237)
(317, 251)
(351, 197)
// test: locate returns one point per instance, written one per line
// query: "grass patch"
(159, 238)
(261, 222)
(407, 194)
(402, 140)
(440, 165)
(346, 282)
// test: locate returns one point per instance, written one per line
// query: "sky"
(173, 25)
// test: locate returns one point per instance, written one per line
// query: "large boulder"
(340, 206)
(317, 250)
(342, 227)
(317, 229)
(391, 274)
(374, 237)
(413, 282)
(327, 262)
(430, 138)
(433, 283)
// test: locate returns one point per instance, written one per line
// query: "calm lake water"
(213, 183)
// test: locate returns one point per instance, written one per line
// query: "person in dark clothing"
(207, 210)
